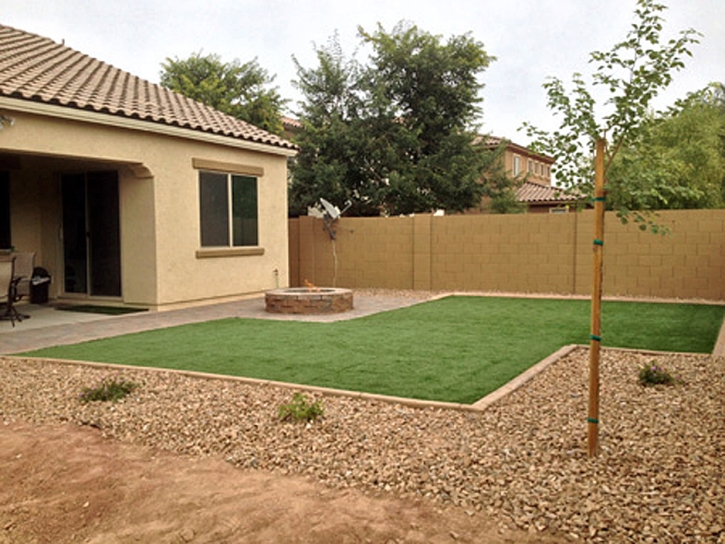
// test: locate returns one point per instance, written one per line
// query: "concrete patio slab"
(48, 326)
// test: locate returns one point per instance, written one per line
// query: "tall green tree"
(678, 159)
(397, 134)
(333, 161)
(240, 90)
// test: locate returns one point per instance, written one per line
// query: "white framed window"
(531, 166)
(517, 165)
(228, 210)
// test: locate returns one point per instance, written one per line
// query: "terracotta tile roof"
(36, 68)
(488, 141)
(535, 192)
(290, 123)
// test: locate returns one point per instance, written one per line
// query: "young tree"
(632, 74)
(240, 90)
(397, 135)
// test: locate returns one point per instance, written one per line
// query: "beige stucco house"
(129, 193)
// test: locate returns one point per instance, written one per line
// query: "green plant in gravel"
(651, 374)
(300, 409)
(110, 389)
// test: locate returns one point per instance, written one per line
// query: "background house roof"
(38, 69)
(492, 142)
(291, 124)
(535, 192)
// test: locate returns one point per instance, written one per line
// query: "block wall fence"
(527, 253)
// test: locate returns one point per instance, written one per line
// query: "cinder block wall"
(687, 263)
(514, 253)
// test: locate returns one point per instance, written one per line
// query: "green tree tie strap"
(593, 420)
(595, 337)
(599, 199)
(598, 242)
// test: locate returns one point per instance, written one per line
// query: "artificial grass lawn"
(456, 349)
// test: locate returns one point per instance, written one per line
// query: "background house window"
(517, 165)
(5, 242)
(531, 166)
(228, 206)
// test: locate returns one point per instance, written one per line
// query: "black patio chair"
(9, 290)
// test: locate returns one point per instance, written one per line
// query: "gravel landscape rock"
(658, 478)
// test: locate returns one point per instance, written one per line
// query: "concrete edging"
(719, 349)
(522, 379)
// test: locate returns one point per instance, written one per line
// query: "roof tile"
(536, 192)
(36, 68)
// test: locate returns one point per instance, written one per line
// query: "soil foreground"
(64, 483)
(189, 459)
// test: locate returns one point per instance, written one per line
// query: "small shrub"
(112, 389)
(651, 374)
(300, 409)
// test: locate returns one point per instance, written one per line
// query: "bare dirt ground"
(188, 458)
(64, 483)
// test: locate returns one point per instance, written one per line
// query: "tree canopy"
(240, 90)
(630, 75)
(397, 134)
(677, 160)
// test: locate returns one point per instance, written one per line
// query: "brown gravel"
(659, 477)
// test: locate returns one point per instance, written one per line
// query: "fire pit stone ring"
(308, 300)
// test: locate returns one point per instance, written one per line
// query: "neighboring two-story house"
(536, 191)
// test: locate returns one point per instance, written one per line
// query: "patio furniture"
(24, 264)
(9, 290)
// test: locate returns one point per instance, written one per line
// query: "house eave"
(521, 150)
(117, 121)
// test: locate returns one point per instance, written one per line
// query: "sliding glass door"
(91, 234)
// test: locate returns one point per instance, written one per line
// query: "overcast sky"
(532, 39)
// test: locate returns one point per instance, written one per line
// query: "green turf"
(455, 349)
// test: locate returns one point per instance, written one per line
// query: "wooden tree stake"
(596, 325)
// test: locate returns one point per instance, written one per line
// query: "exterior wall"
(159, 207)
(541, 167)
(366, 252)
(35, 213)
(546, 253)
(178, 227)
(547, 207)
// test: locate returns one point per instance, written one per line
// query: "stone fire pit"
(308, 300)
